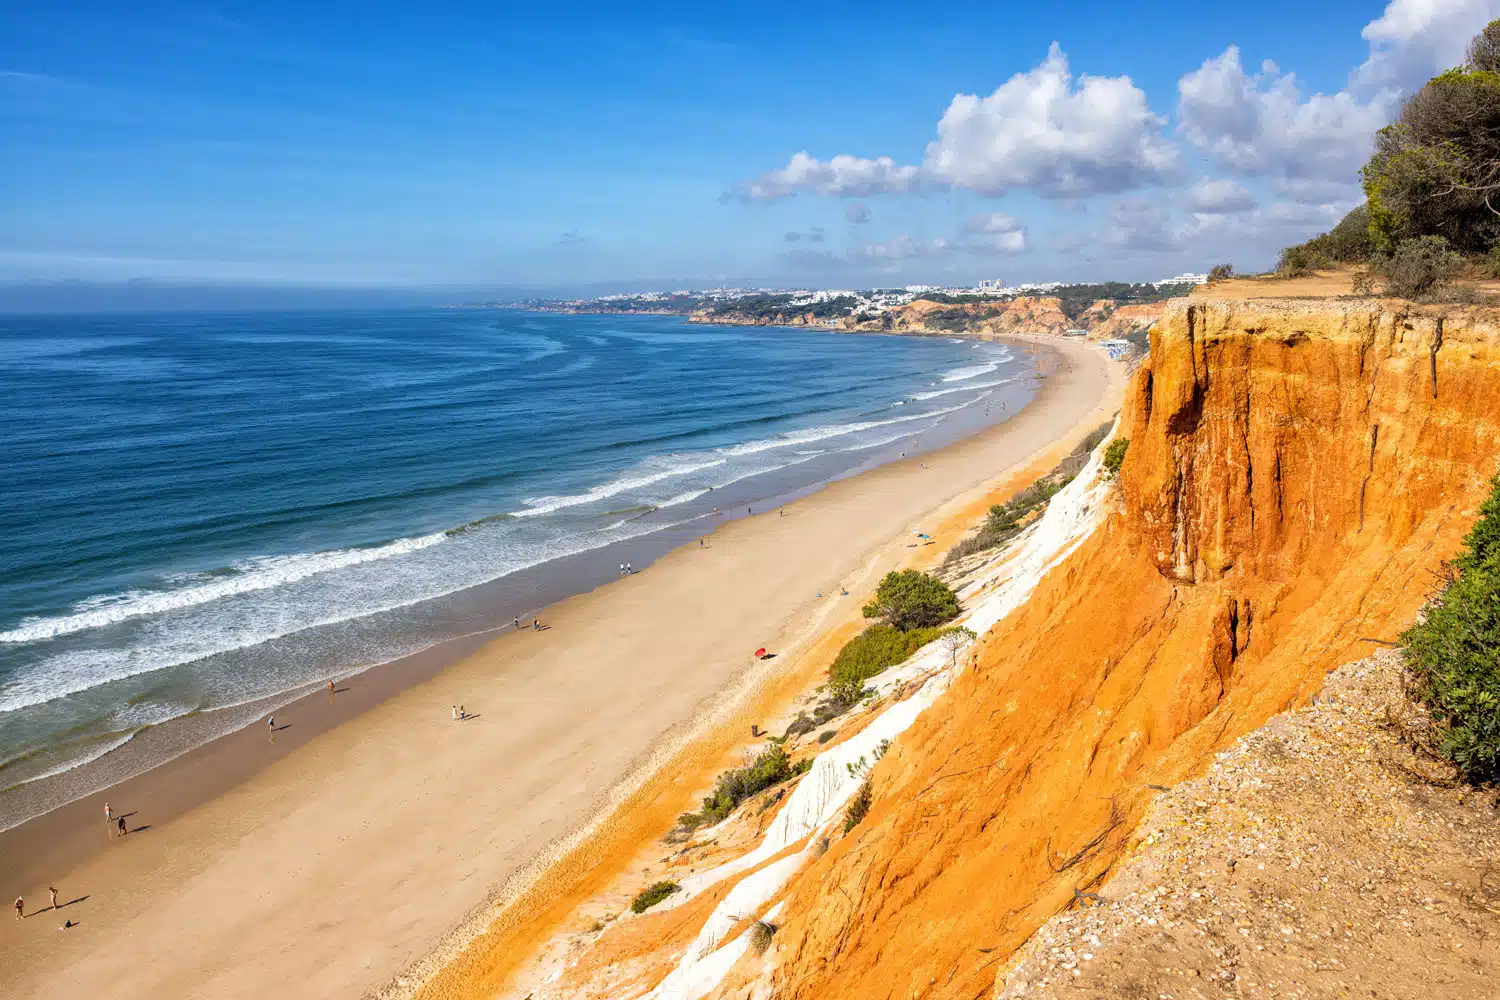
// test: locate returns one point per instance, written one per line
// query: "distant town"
(862, 305)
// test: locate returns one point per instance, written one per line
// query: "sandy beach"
(326, 863)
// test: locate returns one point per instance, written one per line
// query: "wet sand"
(326, 863)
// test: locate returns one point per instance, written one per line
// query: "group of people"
(626, 569)
(536, 624)
(21, 904)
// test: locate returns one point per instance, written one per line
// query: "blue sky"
(577, 145)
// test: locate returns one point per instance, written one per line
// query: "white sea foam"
(253, 574)
(961, 388)
(970, 371)
(546, 505)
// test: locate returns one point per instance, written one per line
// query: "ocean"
(204, 516)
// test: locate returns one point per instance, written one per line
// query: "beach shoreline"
(196, 791)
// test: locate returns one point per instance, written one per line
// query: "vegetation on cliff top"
(1431, 186)
(737, 784)
(1454, 652)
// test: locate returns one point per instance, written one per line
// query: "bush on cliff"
(739, 783)
(1454, 652)
(1418, 267)
(912, 599)
(875, 649)
(649, 897)
(1114, 455)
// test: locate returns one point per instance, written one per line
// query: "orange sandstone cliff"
(1296, 473)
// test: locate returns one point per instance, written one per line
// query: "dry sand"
(332, 869)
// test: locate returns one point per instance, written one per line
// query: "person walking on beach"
(120, 824)
(109, 814)
(462, 715)
(455, 713)
(20, 907)
(270, 728)
(517, 624)
(52, 893)
(536, 624)
(330, 692)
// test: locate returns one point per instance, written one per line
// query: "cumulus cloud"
(857, 214)
(1044, 130)
(848, 176)
(1048, 132)
(1413, 40)
(995, 233)
(1218, 197)
(1261, 124)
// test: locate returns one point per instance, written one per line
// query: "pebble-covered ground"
(1319, 857)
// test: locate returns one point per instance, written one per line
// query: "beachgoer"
(843, 591)
(455, 713)
(462, 715)
(536, 624)
(66, 924)
(700, 541)
(629, 570)
(517, 623)
(622, 569)
(749, 510)
(271, 725)
(330, 692)
(20, 907)
(120, 825)
(109, 814)
(53, 893)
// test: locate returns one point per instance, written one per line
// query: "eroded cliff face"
(1297, 471)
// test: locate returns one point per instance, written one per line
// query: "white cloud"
(902, 247)
(849, 176)
(1261, 124)
(1218, 197)
(1414, 40)
(1046, 132)
(1043, 130)
(995, 233)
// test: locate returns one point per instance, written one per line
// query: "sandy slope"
(333, 869)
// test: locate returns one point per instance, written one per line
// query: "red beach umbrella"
(760, 653)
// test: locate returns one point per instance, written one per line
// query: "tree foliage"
(1220, 272)
(1454, 652)
(1436, 170)
(912, 599)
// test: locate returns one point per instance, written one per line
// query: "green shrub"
(1418, 267)
(859, 806)
(912, 599)
(1114, 455)
(877, 648)
(649, 897)
(1220, 272)
(1298, 260)
(1454, 652)
(739, 783)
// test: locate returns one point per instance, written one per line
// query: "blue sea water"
(206, 511)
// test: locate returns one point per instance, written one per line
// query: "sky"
(573, 147)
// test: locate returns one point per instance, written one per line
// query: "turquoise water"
(205, 511)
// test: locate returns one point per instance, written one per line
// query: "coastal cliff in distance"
(1103, 320)
(1296, 474)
